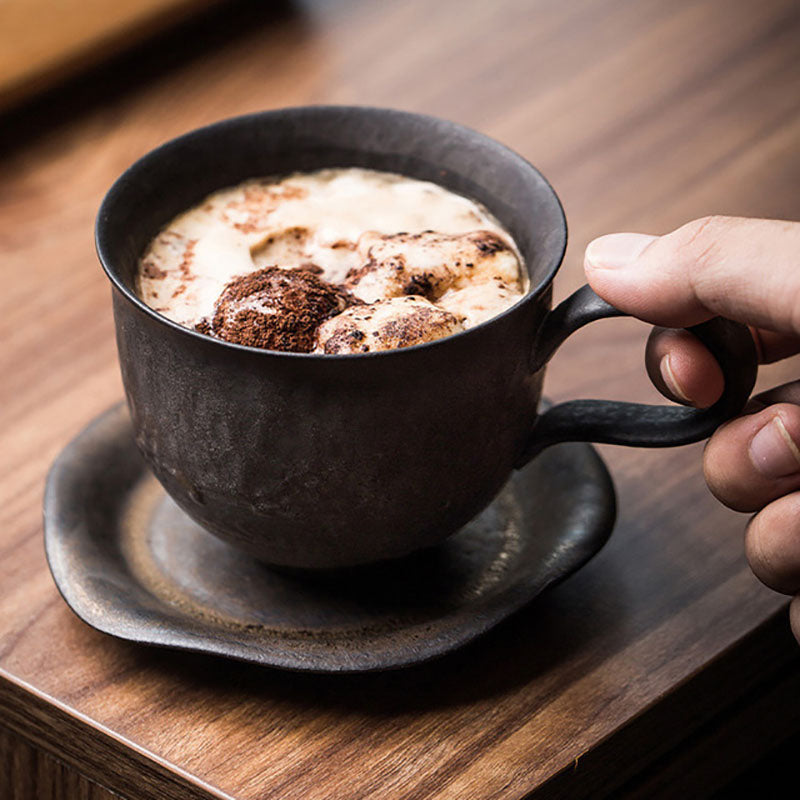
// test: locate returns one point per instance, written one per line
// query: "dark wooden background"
(663, 666)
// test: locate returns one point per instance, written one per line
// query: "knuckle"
(698, 241)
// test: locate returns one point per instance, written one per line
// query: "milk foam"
(311, 220)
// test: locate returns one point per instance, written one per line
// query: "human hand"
(747, 270)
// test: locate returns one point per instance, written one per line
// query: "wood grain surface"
(26, 773)
(643, 114)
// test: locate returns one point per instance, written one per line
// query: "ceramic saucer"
(130, 563)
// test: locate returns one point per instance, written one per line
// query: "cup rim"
(129, 175)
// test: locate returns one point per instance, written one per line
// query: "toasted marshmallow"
(385, 325)
(429, 264)
(474, 304)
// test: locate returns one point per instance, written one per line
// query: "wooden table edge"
(654, 739)
(92, 749)
(124, 767)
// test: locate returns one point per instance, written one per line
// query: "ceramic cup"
(324, 461)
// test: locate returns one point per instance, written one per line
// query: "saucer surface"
(130, 563)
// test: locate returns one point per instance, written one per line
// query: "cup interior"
(182, 172)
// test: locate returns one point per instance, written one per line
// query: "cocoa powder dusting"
(419, 326)
(420, 284)
(256, 205)
(188, 257)
(151, 270)
(411, 321)
(348, 339)
(488, 243)
(276, 309)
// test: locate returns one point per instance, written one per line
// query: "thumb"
(747, 270)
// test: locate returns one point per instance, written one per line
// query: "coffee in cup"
(334, 261)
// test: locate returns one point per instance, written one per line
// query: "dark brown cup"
(326, 461)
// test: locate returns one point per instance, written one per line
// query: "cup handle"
(637, 424)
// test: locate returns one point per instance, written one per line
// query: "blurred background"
(643, 114)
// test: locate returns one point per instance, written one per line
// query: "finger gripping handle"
(637, 424)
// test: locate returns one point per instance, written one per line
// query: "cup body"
(325, 461)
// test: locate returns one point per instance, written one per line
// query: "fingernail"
(773, 452)
(617, 250)
(672, 383)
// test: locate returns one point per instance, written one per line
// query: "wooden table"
(659, 669)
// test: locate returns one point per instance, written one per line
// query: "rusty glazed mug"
(318, 461)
